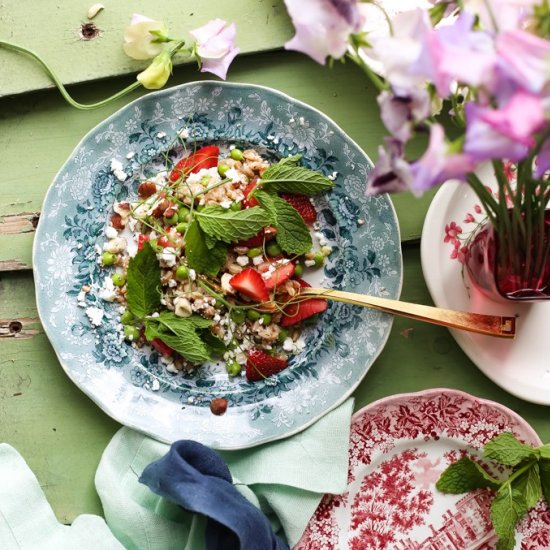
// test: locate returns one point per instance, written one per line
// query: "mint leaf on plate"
(175, 323)
(232, 226)
(292, 233)
(507, 509)
(528, 484)
(506, 449)
(286, 177)
(199, 256)
(465, 475)
(143, 292)
(544, 471)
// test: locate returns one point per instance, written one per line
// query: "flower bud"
(155, 76)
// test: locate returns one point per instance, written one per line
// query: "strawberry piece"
(142, 239)
(164, 241)
(250, 202)
(267, 233)
(298, 311)
(280, 275)
(303, 205)
(161, 347)
(205, 157)
(260, 365)
(250, 283)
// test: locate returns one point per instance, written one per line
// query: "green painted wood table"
(59, 431)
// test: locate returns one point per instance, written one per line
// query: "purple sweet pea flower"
(399, 111)
(216, 46)
(525, 58)
(391, 173)
(323, 27)
(436, 165)
(484, 141)
(505, 14)
(543, 160)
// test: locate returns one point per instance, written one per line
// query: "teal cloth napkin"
(286, 479)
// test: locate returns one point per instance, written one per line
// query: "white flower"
(139, 43)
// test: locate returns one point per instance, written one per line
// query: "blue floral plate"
(133, 386)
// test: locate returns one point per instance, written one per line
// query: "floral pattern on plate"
(133, 386)
(398, 448)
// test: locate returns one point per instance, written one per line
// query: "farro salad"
(207, 263)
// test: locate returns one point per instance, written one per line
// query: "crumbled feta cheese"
(115, 165)
(79, 246)
(300, 344)
(81, 299)
(161, 135)
(301, 121)
(172, 283)
(192, 274)
(130, 155)
(95, 315)
(226, 286)
(333, 176)
(116, 245)
(111, 232)
(360, 221)
(288, 344)
(319, 235)
(291, 120)
(235, 176)
(242, 260)
(316, 226)
(183, 133)
(190, 399)
(211, 173)
(257, 260)
(155, 386)
(171, 367)
(108, 291)
(156, 314)
(168, 256)
(182, 307)
(309, 263)
(226, 204)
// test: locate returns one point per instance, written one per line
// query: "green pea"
(253, 315)
(205, 180)
(119, 279)
(298, 270)
(319, 259)
(283, 335)
(233, 368)
(236, 206)
(127, 317)
(181, 227)
(182, 272)
(266, 319)
(253, 252)
(108, 258)
(171, 221)
(273, 249)
(222, 169)
(238, 315)
(131, 333)
(183, 212)
(236, 154)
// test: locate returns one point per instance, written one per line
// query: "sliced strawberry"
(161, 347)
(142, 239)
(164, 241)
(260, 365)
(265, 234)
(303, 205)
(205, 157)
(280, 275)
(250, 202)
(298, 311)
(250, 283)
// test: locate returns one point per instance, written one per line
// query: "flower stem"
(59, 84)
(374, 78)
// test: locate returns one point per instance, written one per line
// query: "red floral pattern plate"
(398, 448)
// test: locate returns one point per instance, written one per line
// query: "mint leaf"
(544, 470)
(143, 282)
(465, 475)
(232, 226)
(175, 323)
(286, 177)
(528, 484)
(506, 449)
(199, 257)
(291, 160)
(292, 233)
(545, 451)
(214, 344)
(507, 509)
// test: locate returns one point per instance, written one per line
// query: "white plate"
(520, 366)
(398, 448)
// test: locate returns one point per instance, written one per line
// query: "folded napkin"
(286, 479)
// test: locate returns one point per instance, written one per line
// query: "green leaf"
(465, 475)
(214, 344)
(143, 292)
(292, 233)
(199, 257)
(529, 485)
(286, 177)
(545, 451)
(232, 226)
(176, 323)
(291, 160)
(544, 470)
(506, 449)
(507, 509)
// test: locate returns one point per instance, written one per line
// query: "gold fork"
(492, 325)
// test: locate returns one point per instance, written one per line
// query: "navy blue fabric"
(198, 479)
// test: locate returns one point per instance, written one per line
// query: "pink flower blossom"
(469, 218)
(216, 46)
(392, 172)
(451, 232)
(323, 27)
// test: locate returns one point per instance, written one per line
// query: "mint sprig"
(528, 481)
(143, 292)
(292, 233)
(201, 254)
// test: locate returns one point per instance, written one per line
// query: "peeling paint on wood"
(13, 265)
(25, 222)
(18, 328)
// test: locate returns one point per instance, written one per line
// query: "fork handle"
(492, 325)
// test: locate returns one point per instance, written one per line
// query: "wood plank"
(39, 131)
(54, 32)
(41, 409)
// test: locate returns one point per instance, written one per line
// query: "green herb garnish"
(143, 292)
(200, 256)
